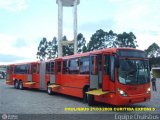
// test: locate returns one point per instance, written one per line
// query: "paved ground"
(13, 101)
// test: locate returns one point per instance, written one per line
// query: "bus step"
(30, 83)
(8, 81)
(97, 92)
(54, 86)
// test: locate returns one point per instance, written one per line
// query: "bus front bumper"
(116, 99)
(133, 99)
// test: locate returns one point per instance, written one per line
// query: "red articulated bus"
(117, 76)
(29, 75)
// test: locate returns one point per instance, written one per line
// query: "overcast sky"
(23, 23)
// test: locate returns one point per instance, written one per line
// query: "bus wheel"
(49, 91)
(16, 84)
(21, 85)
(90, 99)
(85, 95)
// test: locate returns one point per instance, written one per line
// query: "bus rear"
(10, 74)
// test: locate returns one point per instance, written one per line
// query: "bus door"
(40, 74)
(108, 72)
(52, 72)
(93, 64)
(29, 75)
(32, 77)
(58, 65)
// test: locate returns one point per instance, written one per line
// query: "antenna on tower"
(61, 4)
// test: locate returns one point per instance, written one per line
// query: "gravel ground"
(14, 101)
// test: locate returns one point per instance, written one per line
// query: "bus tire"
(49, 91)
(21, 85)
(90, 99)
(85, 95)
(17, 84)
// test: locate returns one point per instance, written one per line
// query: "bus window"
(94, 68)
(74, 66)
(112, 68)
(27, 68)
(48, 68)
(99, 61)
(21, 69)
(34, 68)
(65, 67)
(16, 69)
(106, 64)
(84, 65)
(58, 67)
(52, 68)
(10, 69)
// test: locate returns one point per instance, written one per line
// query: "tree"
(81, 43)
(154, 62)
(110, 39)
(126, 40)
(85, 49)
(52, 49)
(102, 39)
(97, 40)
(42, 49)
(152, 50)
(68, 49)
(47, 49)
(158, 52)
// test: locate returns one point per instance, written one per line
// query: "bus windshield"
(132, 71)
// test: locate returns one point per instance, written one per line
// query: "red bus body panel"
(73, 84)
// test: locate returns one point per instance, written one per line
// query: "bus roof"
(23, 63)
(109, 50)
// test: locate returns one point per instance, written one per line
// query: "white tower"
(61, 4)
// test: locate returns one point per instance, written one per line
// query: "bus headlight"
(149, 90)
(122, 93)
